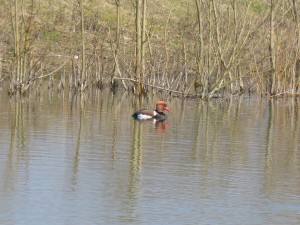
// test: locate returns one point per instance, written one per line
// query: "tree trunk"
(143, 37)
(17, 42)
(138, 20)
(83, 77)
(116, 69)
(272, 74)
(140, 23)
(201, 80)
(296, 74)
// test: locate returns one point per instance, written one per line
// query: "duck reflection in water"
(161, 126)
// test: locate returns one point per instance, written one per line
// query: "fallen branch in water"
(49, 74)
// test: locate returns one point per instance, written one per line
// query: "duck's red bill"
(168, 109)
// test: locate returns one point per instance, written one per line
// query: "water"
(72, 160)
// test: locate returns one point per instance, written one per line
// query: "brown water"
(84, 160)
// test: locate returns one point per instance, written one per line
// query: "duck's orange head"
(161, 106)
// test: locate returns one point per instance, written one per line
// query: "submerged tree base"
(39, 86)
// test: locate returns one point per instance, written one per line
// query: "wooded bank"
(203, 48)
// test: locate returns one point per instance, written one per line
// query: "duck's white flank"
(145, 117)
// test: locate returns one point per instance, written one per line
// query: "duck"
(157, 114)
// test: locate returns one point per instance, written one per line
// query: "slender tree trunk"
(17, 41)
(83, 69)
(232, 76)
(27, 25)
(296, 74)
(118, 28)
(117, 42)
(140, 23)
(272, 73)
(201, 79)
(143, 37)
(209, 51)
(138, 47)
(166, 60)
(217, 40)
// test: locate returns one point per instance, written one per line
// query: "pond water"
(83, 160)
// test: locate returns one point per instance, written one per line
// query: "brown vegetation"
(203, 48)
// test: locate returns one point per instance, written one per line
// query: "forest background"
(200, 48)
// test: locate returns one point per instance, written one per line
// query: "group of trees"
(203, 48)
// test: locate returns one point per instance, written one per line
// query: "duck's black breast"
(160, 116)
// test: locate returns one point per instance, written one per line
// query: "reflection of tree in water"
(137, 153)
(270, 134)
(78, 140)
(282, 151)
(117, 103)
(136, 159)
(17, 147)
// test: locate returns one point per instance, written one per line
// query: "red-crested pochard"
(157, 114)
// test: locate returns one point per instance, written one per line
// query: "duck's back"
(144, 114)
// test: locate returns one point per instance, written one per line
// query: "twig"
(49, 74)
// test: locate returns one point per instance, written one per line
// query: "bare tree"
(23, 41)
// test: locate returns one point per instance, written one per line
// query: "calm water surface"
(84, 160)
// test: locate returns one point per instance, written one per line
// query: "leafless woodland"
(191, 48)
